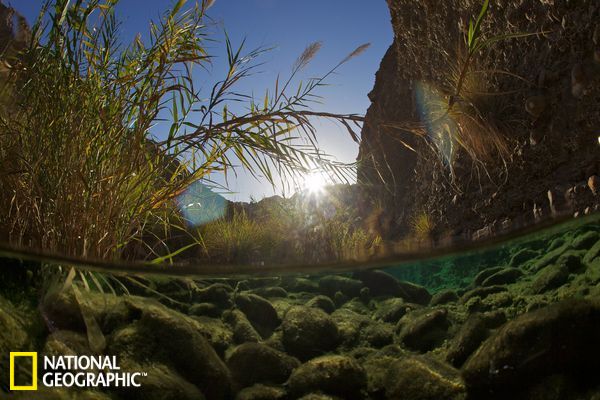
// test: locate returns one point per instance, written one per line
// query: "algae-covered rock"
(219, 294)
(308, 332)
(550, 277)
(334, 375)
(323, 302)
(161, 383)
(423, 331)
(15, 335)
(379, 283)
(261, 392)
(67, 343)
(484, 274)
(252, 363)
(63, 394)
(331, 284)
(391, 310)
(243, 331)
(443, 297)
(562, 337)
(467, 340)
(259, 312)
(503, 277)
(423, 378)
(414, 293)
(481, 292)
(167, 337)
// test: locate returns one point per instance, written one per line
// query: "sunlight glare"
(315, 182)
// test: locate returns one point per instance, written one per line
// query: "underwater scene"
(273, 200)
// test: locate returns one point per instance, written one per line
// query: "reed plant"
(82, 172)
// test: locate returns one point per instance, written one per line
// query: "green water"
(518, 317)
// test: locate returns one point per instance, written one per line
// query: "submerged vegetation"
(82, 172)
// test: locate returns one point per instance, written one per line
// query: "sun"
(314, 183)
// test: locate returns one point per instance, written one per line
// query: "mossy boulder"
(423, 378)
(308, 332)
(560, 338)
(333, 375)
(252, 363)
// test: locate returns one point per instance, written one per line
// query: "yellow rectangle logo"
(33, 356)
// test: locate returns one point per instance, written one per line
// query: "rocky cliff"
(528, 115)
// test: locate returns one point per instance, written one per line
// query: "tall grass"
(82, 173)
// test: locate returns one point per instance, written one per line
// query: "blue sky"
(289, 25)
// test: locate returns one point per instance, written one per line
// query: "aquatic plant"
(82, 173)
(422, 226)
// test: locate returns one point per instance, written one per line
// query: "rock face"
(397, 162)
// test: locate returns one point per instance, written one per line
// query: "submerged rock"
(323, 302)
(379, 283)
(550, 278)
(335, 375)
(259, 312)
(467, 340)
(308, 332)
(167, 337)
(503, 277)
(243, 331)
(331, 284)
(252, 363)
(562, 337)
(261, 392)
(423, 332)
(423, 378)
(443, 297)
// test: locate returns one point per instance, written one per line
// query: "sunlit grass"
(83, 174)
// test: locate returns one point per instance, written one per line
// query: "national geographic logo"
(14, 355)
(71, 371)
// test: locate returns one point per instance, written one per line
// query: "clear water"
(397, 326)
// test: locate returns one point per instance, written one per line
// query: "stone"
(333, 375)
(484, 274)
(14, 335)
(261, 392)
(243, 331)
(170, 338)
(560, 338)
(252, 363)
(423, 378)
(379, 283)
(261, 314)
(592, 254)
(217, 293)
(308, 332)
(423, 331)
(216, 331)
(391, 310)
(205, 309)
(413, 293)
(503, 277)
(550, 278)
(331, 284)
(443, 297)
(270, 292)
(586, 240)
(161, 383)
(481, 292)
(471, 334)
(323, 302)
